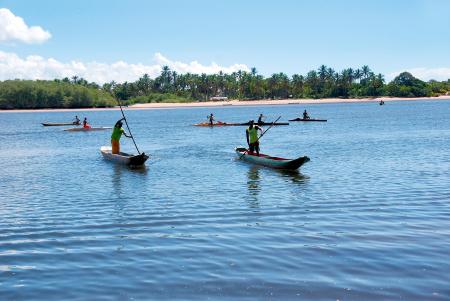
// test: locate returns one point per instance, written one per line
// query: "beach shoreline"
(236, 103)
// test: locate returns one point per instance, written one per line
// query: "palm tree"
(365, 70)
(358, 74)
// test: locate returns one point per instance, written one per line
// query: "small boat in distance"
(239, 124)
(123, 158)
(218, 123)
(308, 120)
(265, 123)
(60, 124)
(269, 161)
(88, 129)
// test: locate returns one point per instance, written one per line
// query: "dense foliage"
(27, 94)
(170, 86)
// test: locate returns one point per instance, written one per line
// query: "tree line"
(171, 86)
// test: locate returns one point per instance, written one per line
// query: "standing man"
(211, 119)
(252, 137)
(115, 137)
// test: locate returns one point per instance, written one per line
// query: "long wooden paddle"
(129, 131)
(263, 133)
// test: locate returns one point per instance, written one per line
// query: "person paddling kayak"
(260, 118)
(115, 137)
(305, 115)
(252, 137)
(86, 125)
(76, 120)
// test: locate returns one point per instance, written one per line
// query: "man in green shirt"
(115, 137)
(252, 137)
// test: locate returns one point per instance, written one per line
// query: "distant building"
(219, 98)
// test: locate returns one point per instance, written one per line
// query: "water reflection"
(253, 185)
(293, 175)
(120, 172)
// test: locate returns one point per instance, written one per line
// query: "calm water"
(367, 219)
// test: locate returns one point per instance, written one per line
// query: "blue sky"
(285, 35)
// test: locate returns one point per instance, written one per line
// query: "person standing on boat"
(305, 115)
(252, 137)
(86, 124)
(76, 120)
(211, 119)
(115, 137)
(260, 118)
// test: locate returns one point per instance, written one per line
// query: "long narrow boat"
(219, 123)
(265, 123)
(269, 161)
(206, 124)
(123, 158)
(88, 129)
(308, 120)
(60, 124)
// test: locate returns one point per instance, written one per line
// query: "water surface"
(367, 219)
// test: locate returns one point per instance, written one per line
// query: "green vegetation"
(27, 94)
(170, 86)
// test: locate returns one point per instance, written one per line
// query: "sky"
(104, 40)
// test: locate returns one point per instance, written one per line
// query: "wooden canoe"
(308, 120)
(123, 158)
(60, 124)
(88, 129)
(269, 161)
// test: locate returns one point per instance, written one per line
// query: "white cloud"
(36, 67)
(14, 28)
(425, 74)
(196, 67)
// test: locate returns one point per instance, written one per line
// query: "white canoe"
(123, 158)
(269, 161)
(88, 129)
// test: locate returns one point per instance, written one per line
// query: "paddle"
(129, 131)
(263, 133)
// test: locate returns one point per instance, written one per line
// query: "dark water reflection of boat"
(294, 175)
(121, 171)
(254, 186)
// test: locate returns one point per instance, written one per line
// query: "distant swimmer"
(305, 115)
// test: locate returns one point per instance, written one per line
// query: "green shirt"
(117, 133)
(252, 134)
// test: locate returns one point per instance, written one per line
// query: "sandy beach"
(266, 102)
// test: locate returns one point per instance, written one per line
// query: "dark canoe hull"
(308, 120)
(123, 158)
(265, 123)
(60, 124)
(207, 124)
(272, 162)
(81, 129)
